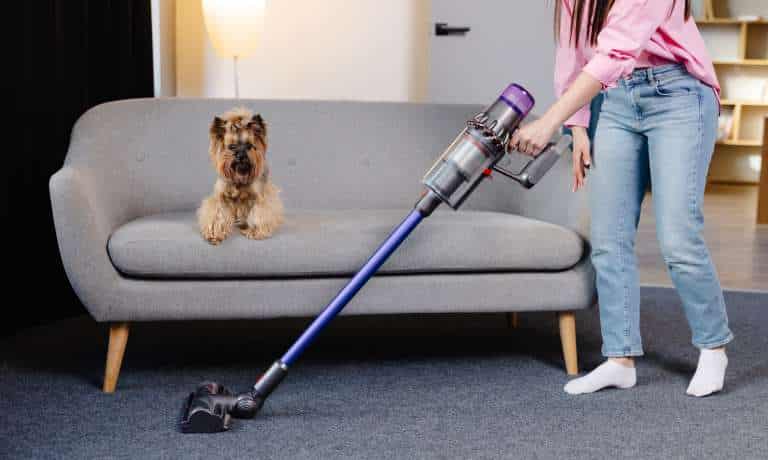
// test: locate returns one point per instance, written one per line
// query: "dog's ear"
(217, 128)
(258, 126)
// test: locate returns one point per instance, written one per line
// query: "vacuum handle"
(535, 169)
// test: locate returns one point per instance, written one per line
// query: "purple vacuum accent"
(518, 98)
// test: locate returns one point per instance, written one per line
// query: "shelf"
(751, 62)
(739, 50)
(745, 103)
(756, 42)
(741, 143)
(729, 21)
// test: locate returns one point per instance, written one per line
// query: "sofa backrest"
(323, 154)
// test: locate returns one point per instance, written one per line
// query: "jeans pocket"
(681, 86)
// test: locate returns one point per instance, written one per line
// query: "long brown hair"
(596, 15)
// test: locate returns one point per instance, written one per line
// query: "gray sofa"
(136, 170)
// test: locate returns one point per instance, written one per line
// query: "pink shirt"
(637, 33)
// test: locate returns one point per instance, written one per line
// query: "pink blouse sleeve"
(569, 62)
(627, 31)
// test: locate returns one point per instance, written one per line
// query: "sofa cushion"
(337, 243)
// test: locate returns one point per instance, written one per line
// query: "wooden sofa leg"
(118, 337)
(512, 320)
(567, 323)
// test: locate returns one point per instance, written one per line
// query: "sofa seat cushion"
(337, 243)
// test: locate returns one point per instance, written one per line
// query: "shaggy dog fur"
(243, 196)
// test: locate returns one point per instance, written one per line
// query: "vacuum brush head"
(211, 407)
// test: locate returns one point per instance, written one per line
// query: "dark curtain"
(74, 54)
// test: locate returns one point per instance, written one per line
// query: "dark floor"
(387, 387)
(455, 386)
(739, 247)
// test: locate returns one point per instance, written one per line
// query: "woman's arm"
(533, 137)
(627, 31)
(569, 61)
(575, 98)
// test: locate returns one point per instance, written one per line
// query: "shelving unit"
(739, 49)
(762, 196)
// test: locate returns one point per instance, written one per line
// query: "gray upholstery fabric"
(337, 243)
(150, 300)
(141, 157)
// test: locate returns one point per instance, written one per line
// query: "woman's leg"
(681, 136)
(617, 181)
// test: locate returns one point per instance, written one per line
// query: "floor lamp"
(235, 28)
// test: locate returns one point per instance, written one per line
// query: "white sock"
(710, 373)
(608, 374)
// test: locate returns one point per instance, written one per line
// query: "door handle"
(442, 29)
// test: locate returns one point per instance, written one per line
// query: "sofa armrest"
(84, 223)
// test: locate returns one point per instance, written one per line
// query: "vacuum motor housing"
(478, 148)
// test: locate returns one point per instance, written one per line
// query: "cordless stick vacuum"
(454, 176)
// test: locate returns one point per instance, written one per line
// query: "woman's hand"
(533, 137)
(581, 156)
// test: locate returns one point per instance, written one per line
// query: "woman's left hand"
(533, 137)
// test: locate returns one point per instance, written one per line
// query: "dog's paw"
(214, 235)
(261, 232)
(213, 241)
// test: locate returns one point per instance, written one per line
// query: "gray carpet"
(383, 387)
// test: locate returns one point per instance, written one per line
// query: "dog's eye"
(232, 146)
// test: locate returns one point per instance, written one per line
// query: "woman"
(657, 123)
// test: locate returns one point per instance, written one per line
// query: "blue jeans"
(657, 126)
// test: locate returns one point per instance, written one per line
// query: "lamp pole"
(237, 84)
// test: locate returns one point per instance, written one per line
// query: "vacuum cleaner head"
(210, 408)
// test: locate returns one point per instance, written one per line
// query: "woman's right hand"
(581, 156)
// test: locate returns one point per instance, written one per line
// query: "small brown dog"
(243, 195)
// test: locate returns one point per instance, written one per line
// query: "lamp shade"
(235, 26)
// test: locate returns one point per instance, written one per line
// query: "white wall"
(164, 46)
(329, 49)
(508, 42)
(314, 49)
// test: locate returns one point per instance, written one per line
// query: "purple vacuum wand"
(460, 169)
